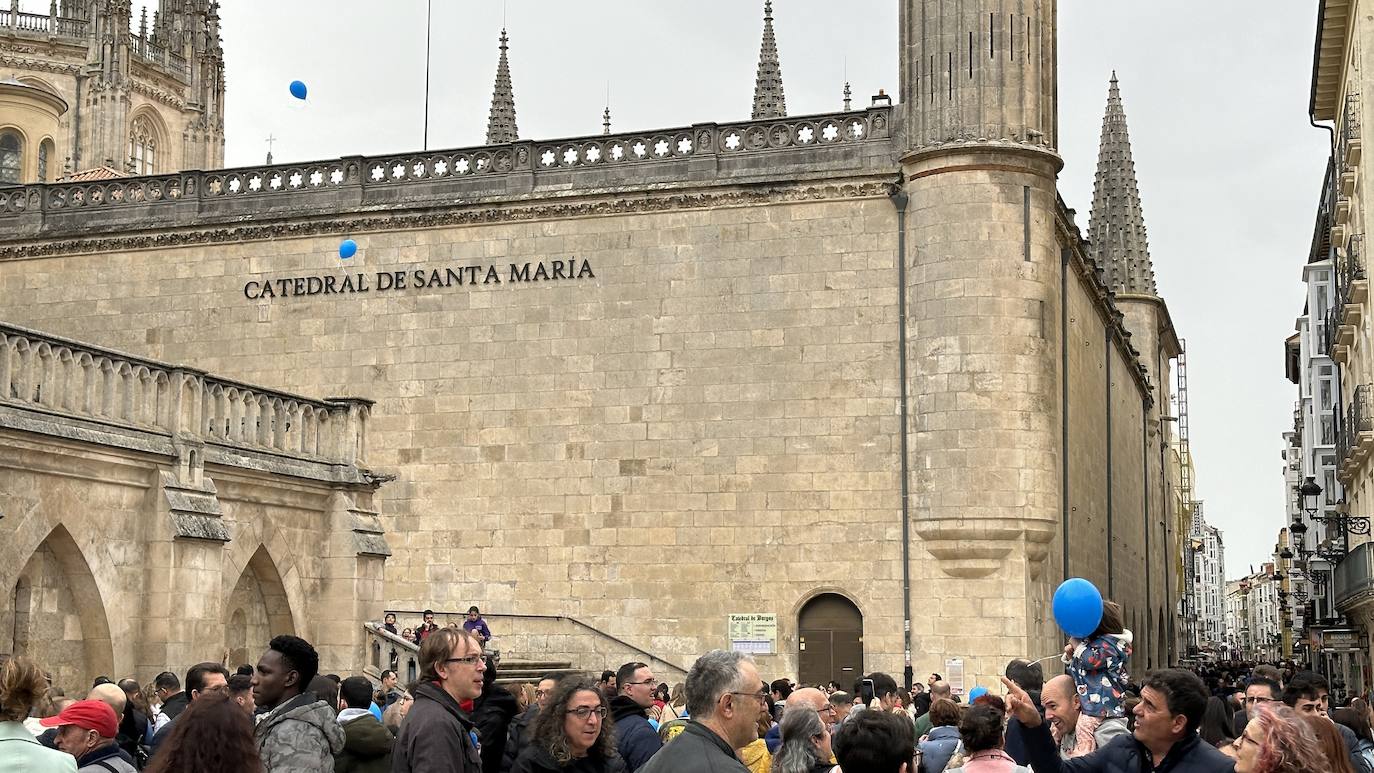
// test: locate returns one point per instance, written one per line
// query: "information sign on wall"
(954, 674)
(756, 634)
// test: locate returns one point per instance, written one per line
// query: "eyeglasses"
(584, 712)
(827, 709)
(646, 683)
(1257, 699)
(762, 697)
(541, 693)
(470, 660)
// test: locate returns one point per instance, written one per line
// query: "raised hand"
(1020, 704)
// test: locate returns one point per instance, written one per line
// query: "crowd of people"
(283, 716)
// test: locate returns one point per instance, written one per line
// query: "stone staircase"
(513, 671)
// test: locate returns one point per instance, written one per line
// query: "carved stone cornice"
(159, 95)
(39, 65)
(361, 222)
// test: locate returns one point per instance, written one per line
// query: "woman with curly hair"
(213, 735)
(1278, 740)
(571, 735)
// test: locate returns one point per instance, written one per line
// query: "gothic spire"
(1117, 228)
(769, 101)
(501, 125)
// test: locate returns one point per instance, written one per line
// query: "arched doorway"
(257, 610)
(58, 615)
(830, 636)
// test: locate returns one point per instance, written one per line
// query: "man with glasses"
(518, 737)
(805, 699)
(635, 738)
(437, 735)
(724, 701)
(1258, 691)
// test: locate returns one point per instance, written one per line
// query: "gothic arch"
(66, 610)
(147, 142)
(257, 609)
(259, 554)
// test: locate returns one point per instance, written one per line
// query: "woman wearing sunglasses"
(572, 734)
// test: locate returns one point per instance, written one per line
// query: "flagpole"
(429, 21)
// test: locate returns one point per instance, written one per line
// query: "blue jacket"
(938, 747)
(1124, 755)
(636, 740)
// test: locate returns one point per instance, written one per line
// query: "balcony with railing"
(1356, 438)
(13, 21)
(108, 391)
(1353, 578)
(1322, 232)
(1348, 144)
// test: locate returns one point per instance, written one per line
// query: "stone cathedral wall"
(703, 420)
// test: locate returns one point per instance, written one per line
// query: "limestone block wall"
(707, 425)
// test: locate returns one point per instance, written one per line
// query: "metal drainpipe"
(1064, 405)
(900, 200)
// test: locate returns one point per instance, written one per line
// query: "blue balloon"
(348, 249)
(298, 89)
(976, 693)
(1078, 607)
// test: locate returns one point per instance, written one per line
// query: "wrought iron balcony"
(1356, 438)
(1351, 287)
(1348, 143)
(1326, 216)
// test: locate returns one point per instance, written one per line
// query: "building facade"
(861, 361)
(81, 93)
(156, 516)
(1331, 527)
(1209, 583)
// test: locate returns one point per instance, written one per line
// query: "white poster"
(954, 674)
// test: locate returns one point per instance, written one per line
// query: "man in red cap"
(86, 730)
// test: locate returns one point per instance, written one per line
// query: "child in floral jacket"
(1098, 667)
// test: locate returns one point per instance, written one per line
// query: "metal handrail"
(580, 624)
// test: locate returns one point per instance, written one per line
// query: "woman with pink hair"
(1277, 740)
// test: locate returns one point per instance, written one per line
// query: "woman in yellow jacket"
(755, 756)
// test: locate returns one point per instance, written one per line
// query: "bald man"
(808, 698)
(1062, 709)
(938, 689)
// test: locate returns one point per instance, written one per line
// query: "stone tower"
(978, 113)
(143, 102)
(769, 100)
(501, 125)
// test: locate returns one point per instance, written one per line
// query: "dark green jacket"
(367, 747)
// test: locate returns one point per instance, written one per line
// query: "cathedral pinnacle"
(1117, 226)
(501, 125)
(769, 101)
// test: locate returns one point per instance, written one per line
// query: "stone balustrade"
(471, 173)
(42, 23)
(56, 375)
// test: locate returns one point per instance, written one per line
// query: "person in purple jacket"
(476, 626)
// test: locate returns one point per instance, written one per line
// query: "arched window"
(11, 157)
(143, 146)
(45, 154)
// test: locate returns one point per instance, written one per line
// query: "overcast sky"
(1215, 94)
